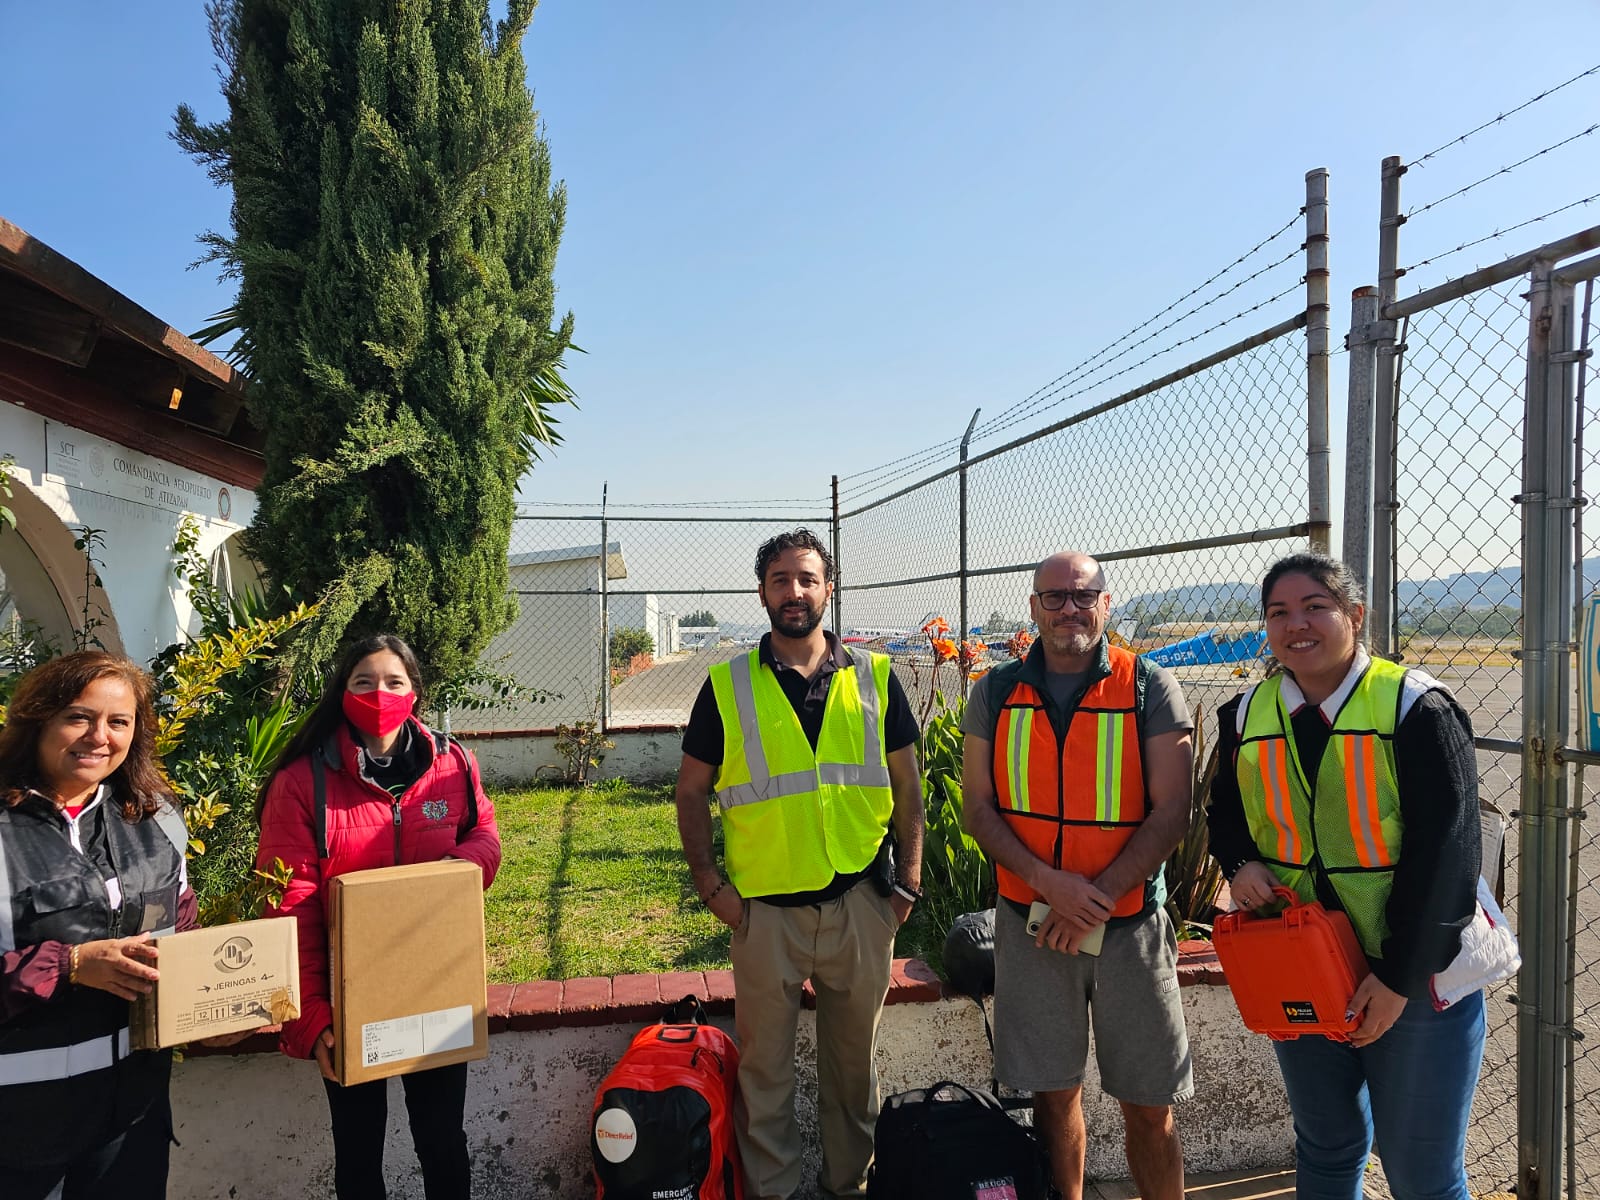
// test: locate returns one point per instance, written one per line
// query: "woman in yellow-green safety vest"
(1352, 781)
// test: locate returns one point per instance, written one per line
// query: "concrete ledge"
(595, 1000)
(251, 1122)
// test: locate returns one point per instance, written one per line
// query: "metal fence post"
(1385, 535)
(838, 567)
(966, 441)
(1318, 513)
(1358, 438)
(1544, 1008)
(605, 613)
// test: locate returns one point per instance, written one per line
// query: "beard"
(1070, 640)
(796, 619)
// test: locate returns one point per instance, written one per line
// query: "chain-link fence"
(623, 636)
(1479, 448)
(1186, 491)
(1456, 595)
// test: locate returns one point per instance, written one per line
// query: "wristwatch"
(905, 890)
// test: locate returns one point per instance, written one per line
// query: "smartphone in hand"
(1036, 915)
(1093, 940)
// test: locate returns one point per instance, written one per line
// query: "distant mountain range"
(1471, 589)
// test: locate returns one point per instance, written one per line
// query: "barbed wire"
(1498, 233)
(1192, 338)
(1058, 400)
(1176, 321)
(922, 456)
(1506, 170)
(1456, 141)
(1078, 369)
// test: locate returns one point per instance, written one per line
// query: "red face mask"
(378, 713)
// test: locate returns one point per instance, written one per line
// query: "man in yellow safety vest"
(1076, 782)
(810, 748)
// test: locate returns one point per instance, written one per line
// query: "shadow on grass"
(559, 881)
(706, 953)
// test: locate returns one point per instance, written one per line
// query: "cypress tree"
(394, 232)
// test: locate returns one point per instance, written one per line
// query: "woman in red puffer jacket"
(396, 792)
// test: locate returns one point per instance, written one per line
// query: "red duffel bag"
(663, 1119)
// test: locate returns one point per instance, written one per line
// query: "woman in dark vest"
(1351, 780)
(91, 868)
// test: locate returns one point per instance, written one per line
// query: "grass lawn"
(593, 883)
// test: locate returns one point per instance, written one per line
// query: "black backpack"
(950, 1142)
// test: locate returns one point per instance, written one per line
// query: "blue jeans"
(1413, 1086)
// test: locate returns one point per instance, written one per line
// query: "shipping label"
(400, 1038)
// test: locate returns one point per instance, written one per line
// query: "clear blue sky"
(808, 239)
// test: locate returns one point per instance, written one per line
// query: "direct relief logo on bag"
(615, 1134)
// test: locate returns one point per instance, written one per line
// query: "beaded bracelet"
(712, 895)
(72, 965)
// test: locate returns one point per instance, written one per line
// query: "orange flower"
(1019, 642)
(972, 651)
(943, 649)
(937, 627)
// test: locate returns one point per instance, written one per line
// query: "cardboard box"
(408, 974)
(226, 979)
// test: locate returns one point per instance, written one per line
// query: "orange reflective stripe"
(1361, 786)
(1275, 780)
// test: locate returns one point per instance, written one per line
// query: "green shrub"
(1193, 877)
(956, 876)
(628, 642)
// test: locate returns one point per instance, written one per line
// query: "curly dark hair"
(140, 786)
(794, 539)
(328, 714)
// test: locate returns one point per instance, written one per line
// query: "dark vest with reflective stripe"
(56, 893)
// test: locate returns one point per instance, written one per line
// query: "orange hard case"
(1293, 972)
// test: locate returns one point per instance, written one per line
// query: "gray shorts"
(1044, 1001)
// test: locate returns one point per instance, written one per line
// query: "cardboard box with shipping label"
(226, 979)
(407, 967)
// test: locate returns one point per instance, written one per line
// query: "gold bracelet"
(72, 966)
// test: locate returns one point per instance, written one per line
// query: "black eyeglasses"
(1055, 601)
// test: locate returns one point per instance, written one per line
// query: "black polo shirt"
(703, 738)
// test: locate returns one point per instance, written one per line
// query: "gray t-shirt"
(1165, 709)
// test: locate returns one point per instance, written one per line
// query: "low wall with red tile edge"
(252, 1123)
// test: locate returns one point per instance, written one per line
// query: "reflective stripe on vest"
(763, 785)
(1068, 815)
(1348, 820)
(794, 816)
(63, 1062)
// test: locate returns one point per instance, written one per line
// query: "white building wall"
(64, 478)
(554, 645)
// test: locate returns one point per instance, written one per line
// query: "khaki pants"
(844, 947)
